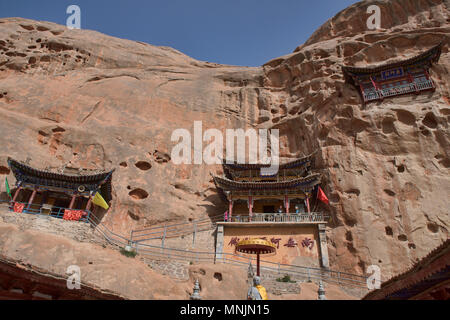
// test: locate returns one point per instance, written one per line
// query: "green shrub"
(130, 254)
(286, 278)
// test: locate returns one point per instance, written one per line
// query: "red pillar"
(361, 88)
(411, 80)
(31, 198)
(72, 202)
(429, 78)
(230, 209)
(16, 194)
(250, 207)
(286, 204)
(88, 205)
(307, 204)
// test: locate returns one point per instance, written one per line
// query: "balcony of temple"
(394, 79)
(68, 195)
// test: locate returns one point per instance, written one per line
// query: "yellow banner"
(98, 200)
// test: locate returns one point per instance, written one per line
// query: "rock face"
(105, 268)
(83, 99)
(385, 165)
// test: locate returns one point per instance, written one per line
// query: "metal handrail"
(228, 258)
(168, 228)
(182, 223)
(170, 231)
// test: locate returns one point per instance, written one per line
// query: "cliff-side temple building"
(65, 195)
(277, 208)
(394, 79)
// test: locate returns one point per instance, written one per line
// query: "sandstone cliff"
(83, 99)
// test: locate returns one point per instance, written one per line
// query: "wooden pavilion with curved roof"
(278, 208)
(66, 195)
(393, 79)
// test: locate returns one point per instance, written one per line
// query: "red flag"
(321, 196)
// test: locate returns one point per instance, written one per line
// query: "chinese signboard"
(392, 73)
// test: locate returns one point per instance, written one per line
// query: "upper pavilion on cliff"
(393, 79)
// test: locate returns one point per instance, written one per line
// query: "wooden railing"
(398, 90)
(282, 217)
(51, 211)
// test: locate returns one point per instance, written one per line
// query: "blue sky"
(235, 32)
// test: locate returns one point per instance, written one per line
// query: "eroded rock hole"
(353, 191)
(133, 216)
(218, 276)
(433, 227)
(138, 194)
(402, 237)
(161, 157)
(143, 165)
(123, 164)
(27, 27)
(58, 129)
(406, 117)
(424, 131)
(42, 28)
(389, 231)
(430, 121)
(388, 125)
(4, 170)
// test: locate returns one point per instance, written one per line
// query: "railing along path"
(162, 253)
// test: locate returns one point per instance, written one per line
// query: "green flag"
(8, 191)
